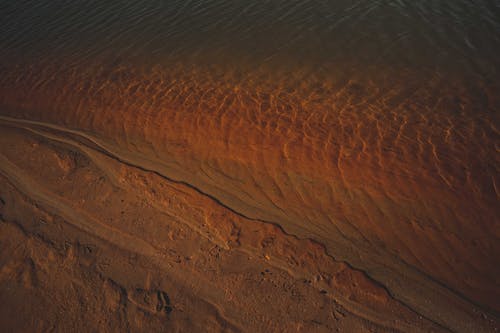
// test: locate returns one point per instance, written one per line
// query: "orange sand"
(383, 195)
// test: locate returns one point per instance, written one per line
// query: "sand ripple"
(394, 175)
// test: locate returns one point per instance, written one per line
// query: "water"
(370, 126)
(463, 35)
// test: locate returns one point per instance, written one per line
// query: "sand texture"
(181, 200)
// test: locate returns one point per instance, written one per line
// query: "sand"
(136, 201)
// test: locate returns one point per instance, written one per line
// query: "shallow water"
(462, 35)
(370, 126)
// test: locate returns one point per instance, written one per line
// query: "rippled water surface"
(370, 126)
(460, 34)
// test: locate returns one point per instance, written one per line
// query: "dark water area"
(435, 36)
(369, 126)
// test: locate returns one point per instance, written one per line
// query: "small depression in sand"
(210, 166)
